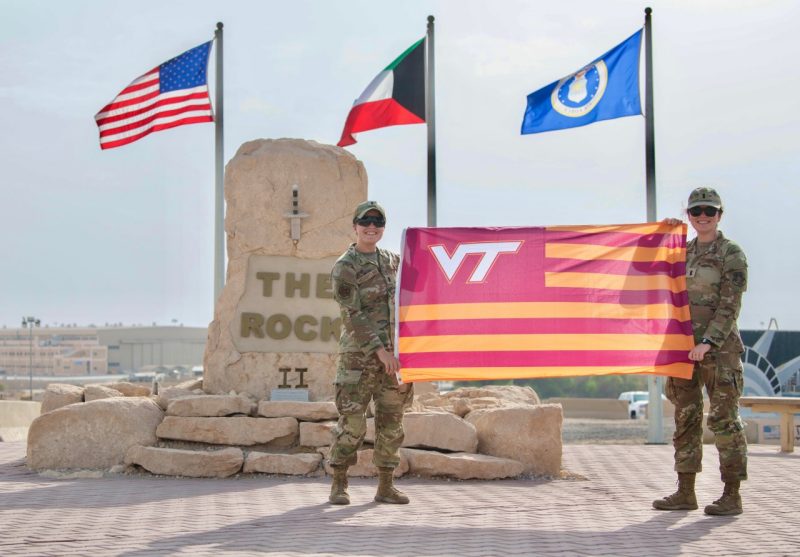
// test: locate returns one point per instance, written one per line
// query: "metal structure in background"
(430, 120)
(30, 323)
(655, 410)
(219, 168)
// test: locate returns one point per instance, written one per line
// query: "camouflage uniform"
(716, 278)
(364, 287)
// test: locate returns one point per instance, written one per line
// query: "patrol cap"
(365, 207)
(705, 196)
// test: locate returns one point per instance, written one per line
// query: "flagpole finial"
(430, 19)
(219, 25)
(648, 11)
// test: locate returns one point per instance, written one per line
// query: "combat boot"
(387, 492)
(339, 494)
(729, 504)
(683, 499)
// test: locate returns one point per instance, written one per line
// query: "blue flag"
(605, 89)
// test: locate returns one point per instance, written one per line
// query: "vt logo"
(489, 252)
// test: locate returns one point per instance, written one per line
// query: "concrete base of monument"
(504, 434)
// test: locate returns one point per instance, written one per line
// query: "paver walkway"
(607, 513)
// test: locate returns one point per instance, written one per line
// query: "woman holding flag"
(716, 278)
(364, 282)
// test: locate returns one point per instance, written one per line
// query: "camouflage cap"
(705, 197)
(365, 207)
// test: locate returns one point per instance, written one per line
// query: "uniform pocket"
(348, 376)
(669, 390)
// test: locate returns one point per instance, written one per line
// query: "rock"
(434, 431)
(96, 392)
(187, 388)
(299, 464)
(60, 394)
(258, 190)
(509, 393)
(316, 434)
(462, 466)
(193, 464)
(94, 435)
(303, 411)
(227, 431)
(210, 406)
(466, 399)
(530, 435)
(130, 389)
(364, 466)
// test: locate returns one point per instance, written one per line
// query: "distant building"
(63, 351)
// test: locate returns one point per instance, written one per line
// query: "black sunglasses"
(379, 222)
(709, 211)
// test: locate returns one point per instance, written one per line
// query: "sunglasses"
(379, 222)
(708, 211)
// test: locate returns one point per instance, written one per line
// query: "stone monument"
(288, 217)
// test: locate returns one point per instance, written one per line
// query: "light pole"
(30, 323)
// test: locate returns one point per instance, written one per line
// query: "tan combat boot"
(339, 494)
(387, 493)
(729, 504)
(683, 499)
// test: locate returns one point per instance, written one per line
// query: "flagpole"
(219, 168)
(430, 119)
(655, 412)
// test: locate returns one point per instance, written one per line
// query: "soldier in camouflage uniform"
(716, 278)
(364, 286)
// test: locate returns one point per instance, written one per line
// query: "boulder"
(187, 388)
(94, 435)
(331, 182)
(316, 434)
(227, 431)
(434, 430)
(466, 399)
(299, 464)
(130, 389)
(60, 394)
(96, 392)
(303, 411)
(364, 466)
(530, 435)
(462, 466)
(193, 464)
(210, 406)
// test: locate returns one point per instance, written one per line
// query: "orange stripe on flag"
(647, 228)
(586, 342)
(505, 310)
(615, 282)
(681, 370)
(591, 252)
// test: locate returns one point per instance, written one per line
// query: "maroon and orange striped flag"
(504, 303)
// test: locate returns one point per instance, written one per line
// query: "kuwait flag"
(396, 96)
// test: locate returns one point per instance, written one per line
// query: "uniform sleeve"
(732, 285)
(345, 292)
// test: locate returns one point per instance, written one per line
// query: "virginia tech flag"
(604, 89)
(504, 303)
(395, 96)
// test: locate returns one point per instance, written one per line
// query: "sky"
(127, 235)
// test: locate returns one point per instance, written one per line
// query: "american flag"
(172, 94)
(504, 303)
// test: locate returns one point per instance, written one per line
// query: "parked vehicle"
(637, 402)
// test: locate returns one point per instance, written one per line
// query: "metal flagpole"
(430, 119)
(655, 409)
(219, 207)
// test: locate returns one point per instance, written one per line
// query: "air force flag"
(605, 89)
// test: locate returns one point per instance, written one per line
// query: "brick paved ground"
(607, 513)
